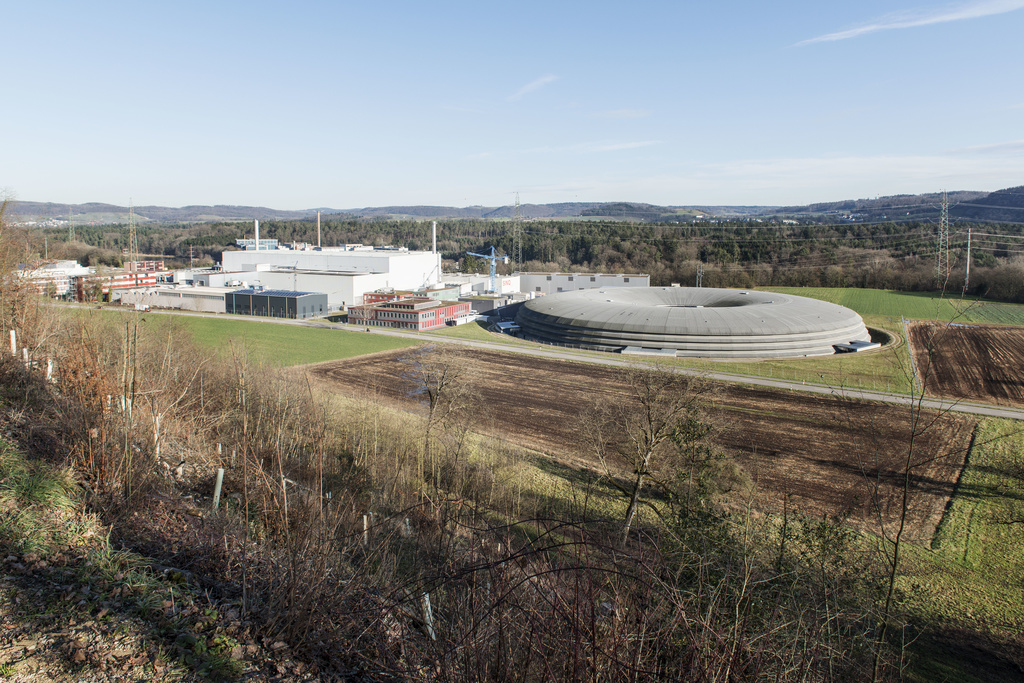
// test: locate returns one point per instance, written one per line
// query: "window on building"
(549, 278)
(570, 278)
(538, 289)
(625, 279)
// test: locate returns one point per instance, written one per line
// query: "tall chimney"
(257, 234)
(317, 229)
(435, 235)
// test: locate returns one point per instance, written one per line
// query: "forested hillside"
(885, 255)
(1002, 206)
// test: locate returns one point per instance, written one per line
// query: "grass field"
(914, 305)
(885, 370)
(971, 579)
(286, 345)
(476, 331)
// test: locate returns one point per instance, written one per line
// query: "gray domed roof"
(702, 322)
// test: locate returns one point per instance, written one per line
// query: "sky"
(345, 104)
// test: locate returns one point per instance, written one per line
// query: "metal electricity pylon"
(517, 235)
(942, 266)
(133, 237)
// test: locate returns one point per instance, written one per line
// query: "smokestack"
(435, 236)
(257, 234)
(317, 229)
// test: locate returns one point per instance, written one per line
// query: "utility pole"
(71, 228)
(700, 273)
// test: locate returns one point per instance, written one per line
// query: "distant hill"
(94, 212)
(647, 213)
(893, 207)
(562, 210)
(1002, 206)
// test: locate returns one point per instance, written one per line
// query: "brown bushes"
(513, 596)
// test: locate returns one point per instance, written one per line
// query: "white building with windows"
(53, 279)
(552, 283)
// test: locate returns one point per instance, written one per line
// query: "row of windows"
(593, 278)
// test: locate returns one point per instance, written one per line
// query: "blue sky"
(342, 104)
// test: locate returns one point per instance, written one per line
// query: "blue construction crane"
(493, 258)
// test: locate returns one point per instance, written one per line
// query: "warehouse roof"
(273, 292)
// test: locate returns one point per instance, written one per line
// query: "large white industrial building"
(344, 274)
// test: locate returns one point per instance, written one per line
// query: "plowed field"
(972, 362)
(830, 455)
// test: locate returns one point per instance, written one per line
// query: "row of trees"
(887, 255)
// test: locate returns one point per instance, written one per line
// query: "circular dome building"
(692, 322)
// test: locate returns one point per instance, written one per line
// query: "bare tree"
(642, 434)
(440, 376)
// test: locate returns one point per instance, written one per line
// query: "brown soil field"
(829, 455)
(972, 362)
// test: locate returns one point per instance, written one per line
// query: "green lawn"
(914, 305)
(476, 331)
(971, 579)
(888, 368)
(286, 345)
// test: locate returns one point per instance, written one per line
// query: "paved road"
(619, 361)
(845, 392)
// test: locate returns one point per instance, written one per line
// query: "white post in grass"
(217, 487)
(428, 616)
(14, 343)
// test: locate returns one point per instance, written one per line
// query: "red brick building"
(413, 313)
(97, 287)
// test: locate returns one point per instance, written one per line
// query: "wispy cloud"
(1015, 147)
(615, 146)
(531, 86)
(624, 114)
(591, 147)
(924, 17)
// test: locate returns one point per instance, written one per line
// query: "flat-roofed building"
(53, 279)
(552, 283)
(99, 286)
(344, 274)
(413, 313)
(276, 303)
(185, 298)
